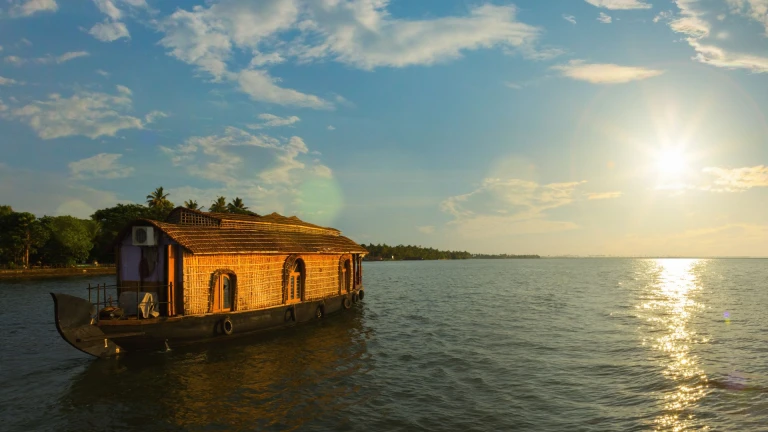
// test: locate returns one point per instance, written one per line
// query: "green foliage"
(112, 220)
(504, 256)
(20, 235)
(219, 206)
(5, 210)
(158, 198)
(237, 206)
(71, 239)
(192, 205)
(400, 252)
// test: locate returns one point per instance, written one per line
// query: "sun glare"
(671, 162)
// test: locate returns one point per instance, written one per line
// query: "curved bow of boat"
(75, 318)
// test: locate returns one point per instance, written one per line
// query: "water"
(541, 345)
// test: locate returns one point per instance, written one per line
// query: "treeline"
(504, 256)
(385, 252)
(26, 240)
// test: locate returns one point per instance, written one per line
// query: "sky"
(557, 127)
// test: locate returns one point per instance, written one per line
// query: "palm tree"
(237, 206)
(157, 198)
(192, 205)
(219, 206)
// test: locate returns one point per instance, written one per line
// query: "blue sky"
(626, 127)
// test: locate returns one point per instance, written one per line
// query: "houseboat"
(200, 276)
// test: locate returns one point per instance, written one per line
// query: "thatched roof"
(225, 233)
(274, 221)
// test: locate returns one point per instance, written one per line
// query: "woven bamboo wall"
(259, 279)
(322, 276)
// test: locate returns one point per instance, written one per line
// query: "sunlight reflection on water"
(669, 311)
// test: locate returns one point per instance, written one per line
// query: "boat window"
(223, 292)
(295, 283)
(227, 293)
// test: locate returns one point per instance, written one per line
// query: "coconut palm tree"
(219, 206)
(192, 205)
(237, 206)
(157, 198)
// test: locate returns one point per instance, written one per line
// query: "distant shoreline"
(55, 272)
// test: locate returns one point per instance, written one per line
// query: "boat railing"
(103, 296)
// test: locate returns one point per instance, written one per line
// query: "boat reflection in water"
(285, 380)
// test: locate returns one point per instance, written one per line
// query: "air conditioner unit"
(144, 236)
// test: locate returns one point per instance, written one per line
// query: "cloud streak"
(90, 114)
(596, 73)
(102, 166)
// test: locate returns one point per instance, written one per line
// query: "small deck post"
(98, 298)
(89, 292)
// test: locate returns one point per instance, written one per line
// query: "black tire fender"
(289, 315)
(227, 327)
(346, 303)
(355, 298)
(361, 294)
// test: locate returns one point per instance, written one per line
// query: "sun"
(672, 161)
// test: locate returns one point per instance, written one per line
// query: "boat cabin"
(198, 263)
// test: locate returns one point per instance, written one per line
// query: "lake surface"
(539, 345)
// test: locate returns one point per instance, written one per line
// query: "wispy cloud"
(620, 4)
(362, 34)
(90, 114)
(25, 8)
(271, 120)
(737, 179)
(9, 82)
(284, 165)
(428, 229)
(109, 31)
(693, 23)
(102, 165)
(331, 128)
(604, 18)
(510, 206)
(605, 73)
(570, 18)
(49, 59)
(604, 195)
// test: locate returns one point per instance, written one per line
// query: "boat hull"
(76, 323)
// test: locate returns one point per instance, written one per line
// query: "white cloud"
(45, 193)
(271, 120)
(3, 107)
(754, 9)
(603, 195)
(361, 33)
(109, 9)
(154, 115)
(737, 179)
(263, 88)
(86, 113)
(48, 59)
(570, 18)
(429, 229)
(273, 178)
(719, 57)
(103, 165)
(605, 73)
(509, 206)
(331, 128)
(604, 18)
(25, 8)
(109, 31)
(102, 72)
(692, 23)
(620, 4)
(124, 90)
(8, 81)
